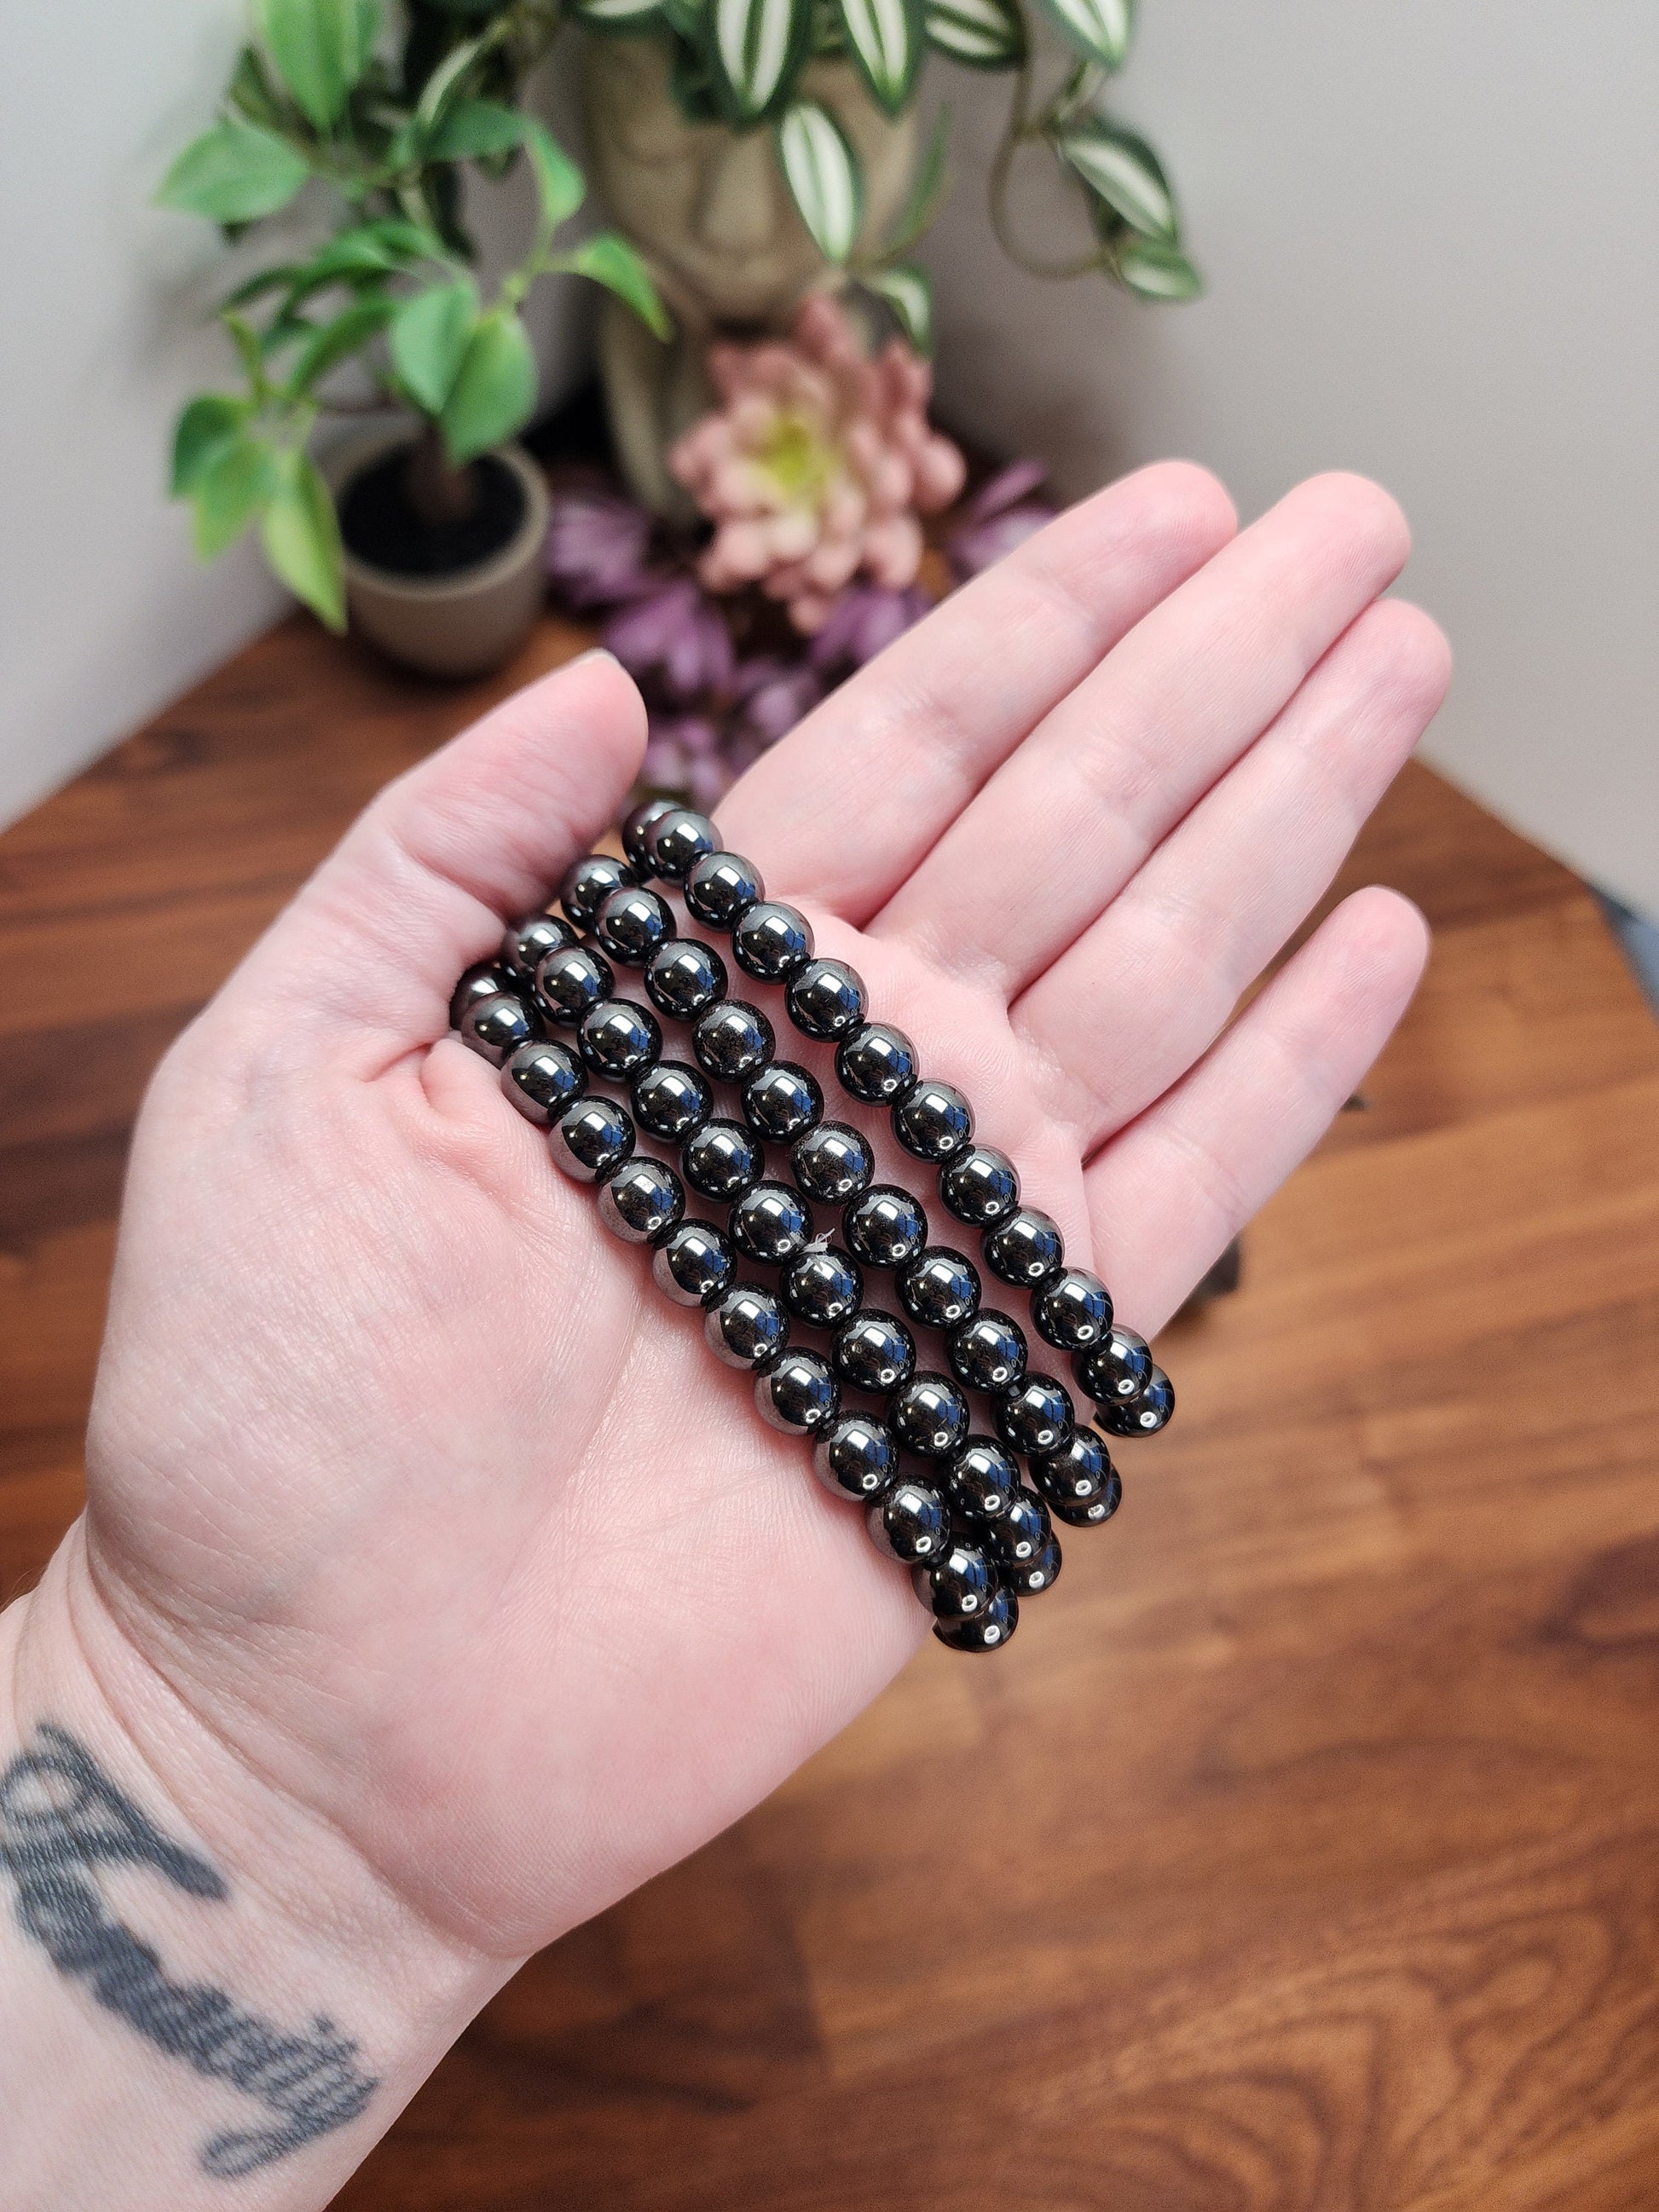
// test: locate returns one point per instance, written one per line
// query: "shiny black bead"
(497, 1027)
(572, 982)
(877, 1064)
(684, 978)
(642, 1201)
(799, 1395)
(772, 940)
(722, 888)
(694, 1264)
(732, 1040)
(722, 1160)
(833, 1163)
(672, 1100)
(822, 1287)
(1034, 1576)
(483, 980)
(928, 1415)
(874, 1351)
(1026, 1249)
(1072, 1310)
(983, 1631)
(939, 1287)
(886, 1227)
(826, 999)
(591, 1139)
(586, 883)
(633, 834)
(1019, 1533)
(856, 1456)
(529, 941)
(980, 1186)
(1037, 1416)
(632, 923)
(987, 1353)
(958, 1583)
(1141, 1416)
(542, 1080)
(771, 1223)
(619, 1038)
(1119, 1367)
(1076, 1481)
(782, 1101)
(935, 1121)
(909, 1520)
(678, 841)
(981, 1479)
(747, 1327)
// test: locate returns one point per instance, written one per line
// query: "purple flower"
(1006, 488)
(596, 548)
(775, 696)
(865, 619)
(1001, 515)
(677, 634)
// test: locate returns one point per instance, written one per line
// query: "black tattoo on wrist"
(61, 1819)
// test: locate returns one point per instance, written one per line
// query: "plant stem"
(1023, 131)
(438, 491)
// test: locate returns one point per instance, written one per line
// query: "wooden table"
(1304, 1854)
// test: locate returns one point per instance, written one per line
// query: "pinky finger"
(1169, 1194)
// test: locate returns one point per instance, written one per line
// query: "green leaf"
(205, 427)
(302, 538)
(267, 280)
(610, 260)
(229, 488)
(495, 394)
(617, 14)
(471, 127)
(756, 48)
(822, 172)
(560, 185)
(235, 173)
(251, 91)
(1156, 271)
(925, 190)
(686, 16)
(884, 37)
(321, 48)
(987, 34)
(348, 333)
(1098, 30)
(1122, 170)
(908, 293)
(431, 332)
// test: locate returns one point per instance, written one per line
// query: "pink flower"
(816, 466)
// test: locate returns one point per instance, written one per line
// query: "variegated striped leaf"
(1156, 271)
(1099, 29)
(616, 15)
(822, 173)
(1124, 172)
(909, 294)
(757, 46)
(884, 37)
(987, 34)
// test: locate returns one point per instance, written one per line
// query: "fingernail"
(594, 653)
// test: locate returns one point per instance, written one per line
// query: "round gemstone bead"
(1037, 1416)
(684, 978)
(826, 999)
(483, 980)
(928, 1415)
(981, 1479)
(1142, 1416)
(619, 1038)
(722, 1160)
(1019, 1533)
(822, 1287)
(632, 923)
(874, 1351)
(591, 1139)
(772, 940)
(934, 1121)
(957, 1585)
(694, 1264)
(586, 884)
(732, 1040)
(980, 1186)
(772, 1224)
(1025, 1249)
(1034, 1576)
(1076, 1481)
(572, 982)
(529, 941)
(798, 1395)
(722, 888)
(983, 1631)
(747, 1327)
(678, 841)
(855, 1456)
(939, 1287)
(1120, 1366)
(1072, 1310)
(987, 1353)
(542, 1080)
(782, 1101)
(833, 1163)
(634, 831)
(642, 1201)
(497, 1027)
(876, 1063)
(909, 1520)
(886, 1227)
(672, 1100)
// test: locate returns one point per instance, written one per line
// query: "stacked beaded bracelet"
(976, 1537)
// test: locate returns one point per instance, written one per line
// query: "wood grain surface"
(1303, 1856)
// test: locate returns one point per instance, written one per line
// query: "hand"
(409, 1493)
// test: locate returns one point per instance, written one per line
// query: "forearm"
(206, 1998)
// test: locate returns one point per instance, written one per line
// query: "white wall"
(1430, 229)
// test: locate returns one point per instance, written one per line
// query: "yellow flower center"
(800, 462)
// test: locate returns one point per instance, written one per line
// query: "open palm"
(404, 1481)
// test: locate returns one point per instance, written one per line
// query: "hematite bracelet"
(976, 1537)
